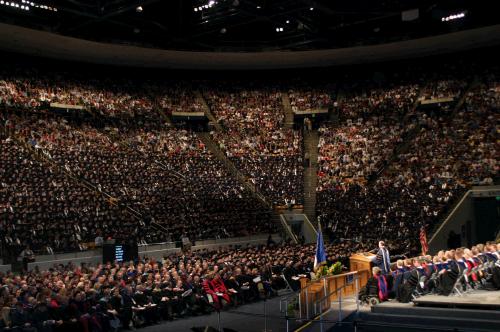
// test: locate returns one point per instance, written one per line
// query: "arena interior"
(249, 165)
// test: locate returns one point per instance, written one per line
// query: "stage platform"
(478, 311)
(483, 300)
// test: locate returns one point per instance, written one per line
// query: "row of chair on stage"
(452, 272)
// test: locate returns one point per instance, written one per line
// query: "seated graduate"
(493, 256)
(481, 275)
(415, 281)
(472, 274)
(449, 274)
(143, 306)
(433, 280)
(215, 290)
(397, 277)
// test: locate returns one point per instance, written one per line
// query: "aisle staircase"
(288, 110)
(220, 155)
(208, 111)
(311, 140)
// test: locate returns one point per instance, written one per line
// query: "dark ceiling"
(247, 25)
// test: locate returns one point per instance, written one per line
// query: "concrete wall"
(464, 211)
(157, 251)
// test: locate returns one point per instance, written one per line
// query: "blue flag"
(320, 257)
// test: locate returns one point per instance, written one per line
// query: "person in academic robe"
(124, 303)
(162, 302)
(449, 274)
(493, 257)
(211, 291)
(383, 260)
(397, 278)
(21, 319)
(413, 283)
(220, 288)
(179, 300)
(233, 287)
(200, 302)
(376, 286)
(143, 306)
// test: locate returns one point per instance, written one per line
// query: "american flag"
(423, 240)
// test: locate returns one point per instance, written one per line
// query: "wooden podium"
(362, 261)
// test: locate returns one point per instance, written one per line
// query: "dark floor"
(246, 318)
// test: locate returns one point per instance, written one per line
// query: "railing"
(298, 307)
(288, 230)
(325, 303)
(329, 288)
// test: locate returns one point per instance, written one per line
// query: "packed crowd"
(167, 175)
(44, 209)
(443, 88)
(451, 151)
(363, 102)
(255, 140)
(120, 99)
(309, 99)
(133, 294)
(115, 98)
(180, 98)
(352, 153)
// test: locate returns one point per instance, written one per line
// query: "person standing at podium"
(383, 260)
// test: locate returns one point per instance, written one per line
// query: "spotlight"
(453, 17)
(287, 21)
(311, 9)
(223, 30)
(139, 9)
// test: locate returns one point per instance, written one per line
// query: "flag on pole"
(423, 240)
(320, 257)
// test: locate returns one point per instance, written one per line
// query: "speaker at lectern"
(362, 261)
